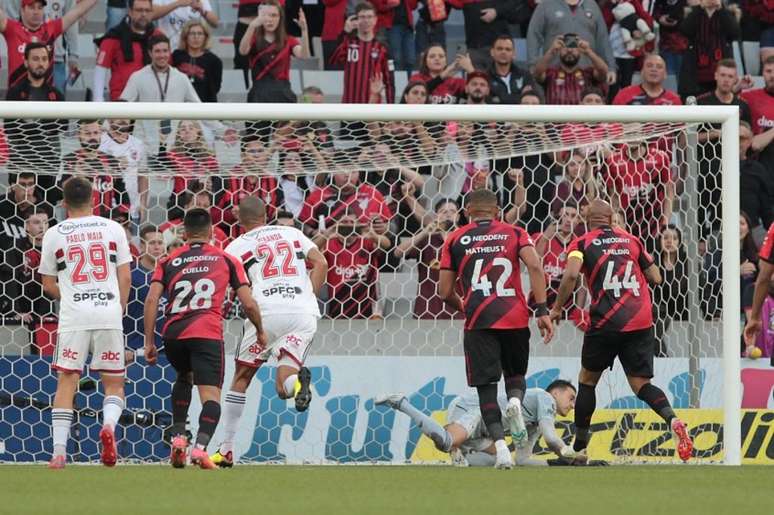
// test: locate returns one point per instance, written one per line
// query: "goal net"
(379, 187)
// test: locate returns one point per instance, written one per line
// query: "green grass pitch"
(395, 490)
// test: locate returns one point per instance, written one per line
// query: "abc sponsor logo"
(255, 348)
(293, 340)
(110, 356)
(68, 353)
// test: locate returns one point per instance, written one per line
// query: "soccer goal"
(378, 187)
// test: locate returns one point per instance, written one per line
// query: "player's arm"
(159, 11)
(653, 274)
(77, 12)
(569, 281)
(149, 320)
(51, 286)
(124, 284)
(537, 281)
(319, 269)
(250, 307)
(446, 281)
(760, 293)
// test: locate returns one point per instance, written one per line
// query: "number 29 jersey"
(613, 264)
(196, 279)
(274, 259)
(84, 253)
(485, 256)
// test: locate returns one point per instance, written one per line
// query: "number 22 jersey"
(485, 256)
(613, 264)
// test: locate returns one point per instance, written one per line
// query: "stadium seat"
(312, 63)
(752, 57)
(330, 82)
(401, 80)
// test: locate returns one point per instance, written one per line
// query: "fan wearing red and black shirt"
(31, 28)
(481, 256)
(617, 269)
(762, 282)
(195, 279)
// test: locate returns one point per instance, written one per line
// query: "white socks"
(233, 407)
(61, 419)
(112, 407)
(290, 385)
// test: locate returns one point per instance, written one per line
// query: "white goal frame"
(728, 116)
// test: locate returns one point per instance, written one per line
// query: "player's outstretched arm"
(149, 321)
(653, 274)
(753, 326)
(555, 443)
(446, 281)
(319, 269)
(567, 286)
(537, 281)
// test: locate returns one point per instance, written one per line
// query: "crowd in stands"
(396, 207)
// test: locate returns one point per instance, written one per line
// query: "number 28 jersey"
(274, 259)
(196, 279)
(613, 264)
(485, 256)
(83, 254)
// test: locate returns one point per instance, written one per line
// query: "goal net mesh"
(401, 185)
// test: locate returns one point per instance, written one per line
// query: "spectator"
(269, 48)
(120, 215)
(748, 259)
(158, 81)
(333, 25)
(129, 151)
(726, 78)
(765, 339)
(123, 50)
(425, 246)
(246, 14)
(172, 15)
(397, 19)
(756, 184)
(591, 96)
(190, 160)
(430, 28)
(172, 229)
(507, 80)
(286, 219)
(639, 183)
(578, 184)
(672, 43)
(762, 11)
(669, 297)
(761, 102)
(295, 184)
(30, 28)
(152, 249)
(530, 98)
(116, 12)
(651, 91)
(203, 68)
(710, 29)
(565, 83)
(19, 202)
(484, 21)
(363, 57)
(324, 206)
(553, 18)
(442, 85)
(353, 268)
(477, 88)
(34, 143)
(100, 168)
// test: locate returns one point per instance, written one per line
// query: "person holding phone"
(564, 83)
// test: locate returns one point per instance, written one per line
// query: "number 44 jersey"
(196, 279)
(613, 264)
(485, 257)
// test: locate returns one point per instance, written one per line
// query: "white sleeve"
(232, 249)
(131, 92)
(549, 434)
(100, 79)
(123, 255)
(48, 254)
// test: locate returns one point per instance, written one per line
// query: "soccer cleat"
(303, 392)
(503, 458)
(683, 442)
(57, 463)
(516, 419)
(223, 460)
(109, 454)
(458, 459)
(199, 457)
(392, 400)
(179, 451)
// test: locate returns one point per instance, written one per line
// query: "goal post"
(404, 336)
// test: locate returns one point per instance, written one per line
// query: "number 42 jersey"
(485, 256)
(613, 264)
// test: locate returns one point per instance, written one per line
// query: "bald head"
(600, 213)
(252, 212)
(481, 204)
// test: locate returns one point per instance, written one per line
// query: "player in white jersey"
(465, 436)
(275, 259)
(85, 266)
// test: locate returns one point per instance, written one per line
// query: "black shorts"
(635, 351)
(492, 353)
(202, 356)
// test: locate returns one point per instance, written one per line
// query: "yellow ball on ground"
(754, 353)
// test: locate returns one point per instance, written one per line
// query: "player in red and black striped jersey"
(617, 269)
(765, 275)
(481, 256)
(195, 279)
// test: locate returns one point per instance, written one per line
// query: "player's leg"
(514, 347)
(292, 345)
(108, 358)
(443, 439)
(71, 351)
(207, 366)
(637, 361)
(597, 354)
(233, 406)
(483, 368)
(179, 357)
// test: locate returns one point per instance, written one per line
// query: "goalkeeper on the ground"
(465, 438)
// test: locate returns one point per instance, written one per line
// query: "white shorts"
(289, 338)
(105, 345)
(468, 416)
